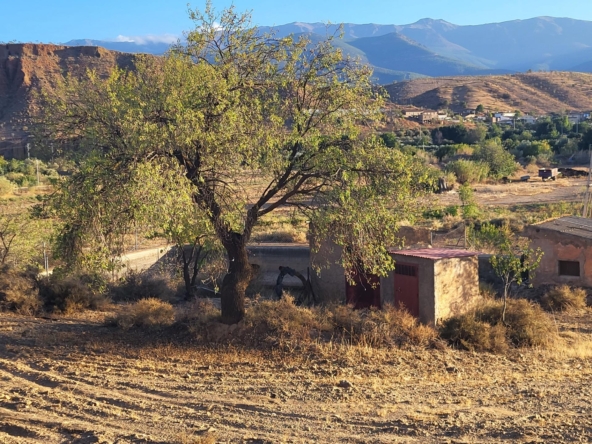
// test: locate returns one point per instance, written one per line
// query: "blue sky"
(62, 20)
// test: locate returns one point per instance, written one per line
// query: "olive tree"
(254, 123)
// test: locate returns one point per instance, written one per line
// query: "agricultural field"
(74, 379)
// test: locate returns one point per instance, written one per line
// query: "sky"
(59, 21)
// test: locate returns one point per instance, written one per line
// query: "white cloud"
(145, 39)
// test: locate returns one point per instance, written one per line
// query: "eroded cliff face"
(29, 68)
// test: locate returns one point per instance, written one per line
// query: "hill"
(29, 68)
(537, 93)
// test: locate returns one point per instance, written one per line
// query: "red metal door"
(407, 287)
(365, 293)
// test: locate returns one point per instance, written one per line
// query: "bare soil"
(534, 191)
(75, 380)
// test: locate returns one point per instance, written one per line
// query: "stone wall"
(456, 286)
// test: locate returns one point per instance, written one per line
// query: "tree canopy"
(251, 123)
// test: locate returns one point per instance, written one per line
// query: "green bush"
(6, 186)
(564, 298)
(468, 171)
(501, 163)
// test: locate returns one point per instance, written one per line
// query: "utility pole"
(587, 196)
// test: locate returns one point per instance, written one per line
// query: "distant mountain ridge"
(435, 48)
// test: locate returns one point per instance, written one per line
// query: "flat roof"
(576, 226)
(435, 253)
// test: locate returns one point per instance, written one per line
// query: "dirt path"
(520, 193)
(77, 381)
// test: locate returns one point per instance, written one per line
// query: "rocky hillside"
(537, 93)
(29, 68)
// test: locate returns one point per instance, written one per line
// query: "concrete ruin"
(566, 244)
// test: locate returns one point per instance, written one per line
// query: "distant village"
(431, 117)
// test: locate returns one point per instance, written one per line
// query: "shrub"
(283, 319)
(6, 186)
(527, 324)
(379, 328)
(501, 163)
(150, 313)
(467, 332)
(18, 292)
(135, 286)
(69, 294)
(468, 171)
(482, 330)
(564, 298)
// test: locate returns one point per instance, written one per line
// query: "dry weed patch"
(527, 325)
(151, 313)
(18, 292)
(564, 298)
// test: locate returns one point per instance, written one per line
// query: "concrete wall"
(456, 286)
(557, 247)
(329, 282)
(269, 258)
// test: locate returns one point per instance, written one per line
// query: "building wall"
(557, 247)
(328, 283)
(456, 286)
(426, 286)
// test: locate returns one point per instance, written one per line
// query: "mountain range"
(435, 48)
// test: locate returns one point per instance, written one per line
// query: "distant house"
(530, 120)
(567, 246)
(428, 117)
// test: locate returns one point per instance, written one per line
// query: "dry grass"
(564, 298)
(483, 330)
(135, 286)
(18, 292)
(71, 294)
(149, 313)
(285, 233)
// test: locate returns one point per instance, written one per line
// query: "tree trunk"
(236, 280)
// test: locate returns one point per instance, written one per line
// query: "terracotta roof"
(436, 253)
(576, 226)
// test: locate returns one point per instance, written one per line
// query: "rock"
(344, 383)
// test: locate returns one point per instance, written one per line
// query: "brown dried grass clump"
(71, 294)
(380, 328)
(18, 292)
(527, 325)
(284, 320)
(147, 313)
(389, 327)
(564, 298)
(135, 286)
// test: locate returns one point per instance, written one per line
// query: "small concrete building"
(432, 284)
(566, 244)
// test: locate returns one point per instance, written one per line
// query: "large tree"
(254, 123)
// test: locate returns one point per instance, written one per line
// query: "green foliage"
(501, 163)
(455, 134)
(6, 186)
(468, 171)
(445, 151)
(231, 105)
(470, 209)
(390, 140)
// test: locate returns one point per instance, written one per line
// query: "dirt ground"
(522, 193)
(79, 381)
